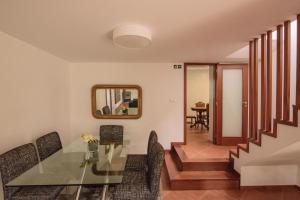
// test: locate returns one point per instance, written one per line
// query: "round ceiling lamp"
(132, 36)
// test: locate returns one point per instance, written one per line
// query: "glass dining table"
(75, 165)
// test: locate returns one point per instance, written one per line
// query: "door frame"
(219, 107)
(185, 66)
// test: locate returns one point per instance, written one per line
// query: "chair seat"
(136, 162)
(90, 193)
(134, 187)
(37, 193)
(94, 193)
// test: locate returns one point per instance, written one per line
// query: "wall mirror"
(117, 101)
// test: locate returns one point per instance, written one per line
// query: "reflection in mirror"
(116, 101)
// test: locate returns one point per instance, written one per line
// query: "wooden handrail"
(255, 87)
(269, 83)
(287, 71)
(251, 90)
(279, 61)
(263, 82)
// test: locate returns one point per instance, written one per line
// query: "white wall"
(197, 86)
(162, 100)
(269, 175)
(34, 94)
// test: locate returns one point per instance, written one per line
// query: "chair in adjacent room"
(205, 117)
(106, 110)
(200, 104)
(143, 184)
(139, 161)
(111, 134)
(48, 144)
(15, 162)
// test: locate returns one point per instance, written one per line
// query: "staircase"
(284, 134)
(199, 174)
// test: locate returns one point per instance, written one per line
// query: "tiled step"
(199, 180)
(184, 163)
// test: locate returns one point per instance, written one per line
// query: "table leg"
(105, 188)
(78, 193)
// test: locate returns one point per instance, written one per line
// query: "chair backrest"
(133, 103)
(200, 104)
(157, 157)
(207, 109)
(151, 141)
(106, 110)
(48, 145)
(98, 112)
(15, 162)
(111, 133)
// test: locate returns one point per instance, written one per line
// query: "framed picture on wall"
(117, 95)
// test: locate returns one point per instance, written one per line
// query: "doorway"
(199, 98)
(210, 138)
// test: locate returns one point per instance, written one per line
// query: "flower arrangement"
(91, 141)
(88, 138)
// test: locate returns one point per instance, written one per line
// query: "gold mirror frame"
(104, 86)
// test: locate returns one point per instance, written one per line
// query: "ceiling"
(182, 31)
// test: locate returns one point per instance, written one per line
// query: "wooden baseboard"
(270, 187)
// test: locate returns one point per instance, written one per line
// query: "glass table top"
(75, 165)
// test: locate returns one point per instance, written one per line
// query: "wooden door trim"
(298, 63)
(219, 107)
(185, 65)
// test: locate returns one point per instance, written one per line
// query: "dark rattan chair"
(143, 184)
(138, 162)
(15, 162)
(111, 134)
(48, 145)
(106, 110)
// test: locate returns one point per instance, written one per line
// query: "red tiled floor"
(198, 146)
(280, 193)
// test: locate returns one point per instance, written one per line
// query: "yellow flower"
(88, 138)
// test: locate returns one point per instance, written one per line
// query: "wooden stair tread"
(184, 158)
(234, 152)
(199, 180)
(175, 174)
(273, 133)
(243, 146)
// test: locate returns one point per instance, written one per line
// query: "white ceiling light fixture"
(132, 36)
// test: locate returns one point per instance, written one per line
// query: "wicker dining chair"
(140, 161)
(200, 104)
(143, 184)
(111, 134)
(48, 144)
(15, 162)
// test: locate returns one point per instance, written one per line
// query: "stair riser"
(204, 184)
(205, 166)
(176, 159)
(198, 166)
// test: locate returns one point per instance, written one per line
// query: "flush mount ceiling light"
(132, 36)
